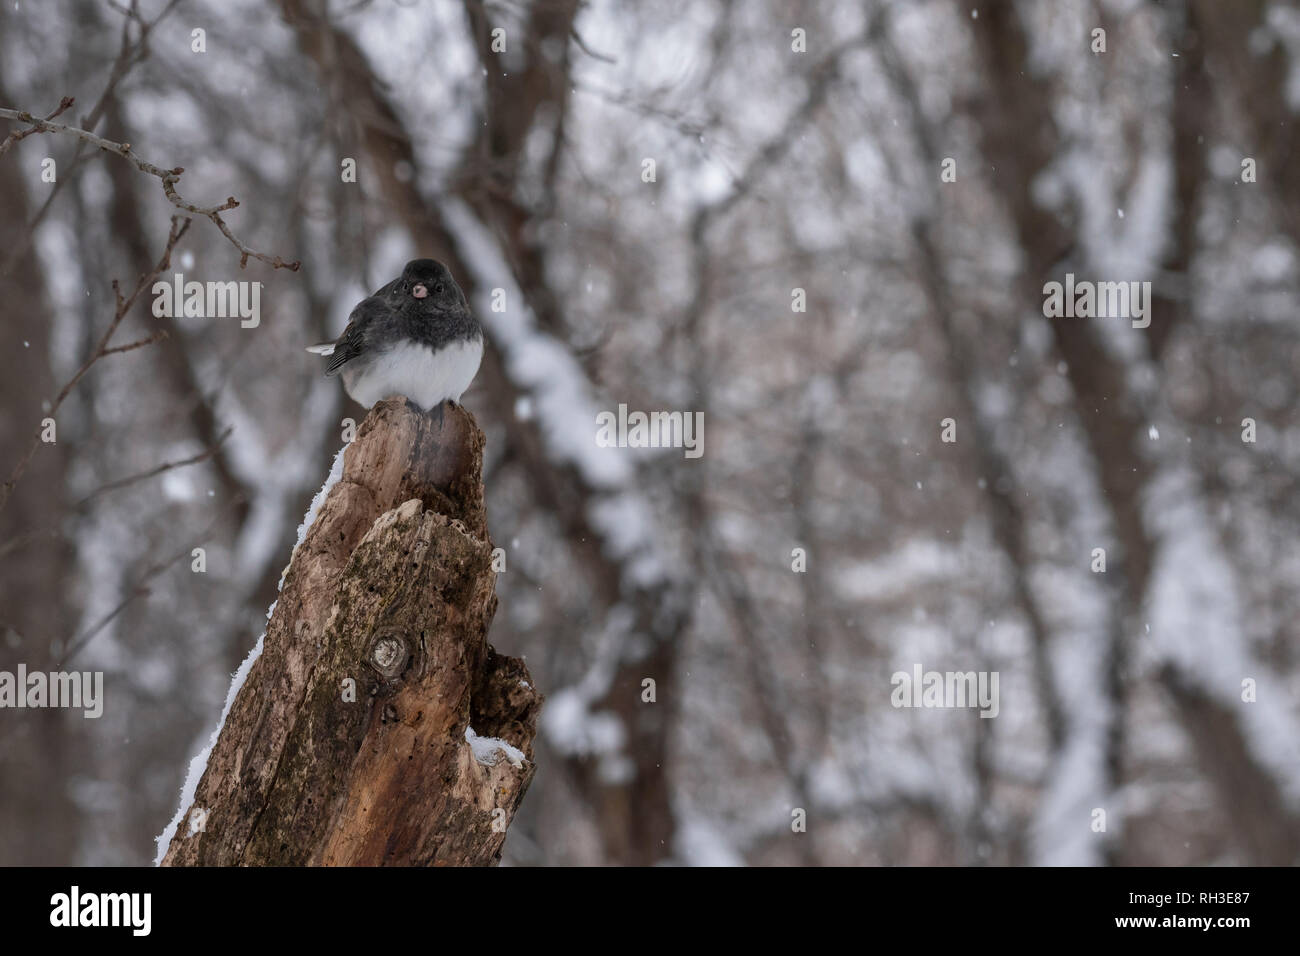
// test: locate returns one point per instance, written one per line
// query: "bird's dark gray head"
(426, 285)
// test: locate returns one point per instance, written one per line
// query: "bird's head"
(426, 284)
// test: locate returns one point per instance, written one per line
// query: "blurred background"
(911, 173)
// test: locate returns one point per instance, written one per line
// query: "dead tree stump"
(347, 743)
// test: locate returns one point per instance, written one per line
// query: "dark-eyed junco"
(415, 337)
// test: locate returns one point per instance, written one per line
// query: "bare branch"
(130, 53)
(138, 589)
(149, 340)
(8, 142)
(157, 470)
(582, 45)
(179, 226)
(168, 177)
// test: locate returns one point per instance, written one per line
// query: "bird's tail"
(325, 348)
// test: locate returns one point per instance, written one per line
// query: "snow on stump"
(377, 726)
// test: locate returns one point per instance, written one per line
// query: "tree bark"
(39, 822)
(634, 813)
(391, 592)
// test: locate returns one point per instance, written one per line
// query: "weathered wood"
(393, 589)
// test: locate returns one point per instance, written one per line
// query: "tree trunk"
(349, 742)
(39, 823)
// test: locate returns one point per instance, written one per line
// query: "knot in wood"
(388, 655)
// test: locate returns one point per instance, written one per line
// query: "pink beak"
(419, 291)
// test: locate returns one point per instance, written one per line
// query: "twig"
(65, 104)
(130, 53)
(22, 540)
(141, 343)
(582, 45)
(139, 588)
(155, 471)
(138, 591)
(168, 177)
(179, 225)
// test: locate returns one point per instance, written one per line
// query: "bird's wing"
(352, 342)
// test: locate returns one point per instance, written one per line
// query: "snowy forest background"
(776, 170)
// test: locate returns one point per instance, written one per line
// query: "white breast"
(426, 377)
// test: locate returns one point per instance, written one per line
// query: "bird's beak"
(420, 290)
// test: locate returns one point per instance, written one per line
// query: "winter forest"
(979, 316)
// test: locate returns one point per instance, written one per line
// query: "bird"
(415, 337)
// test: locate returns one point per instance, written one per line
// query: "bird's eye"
(438, 288)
